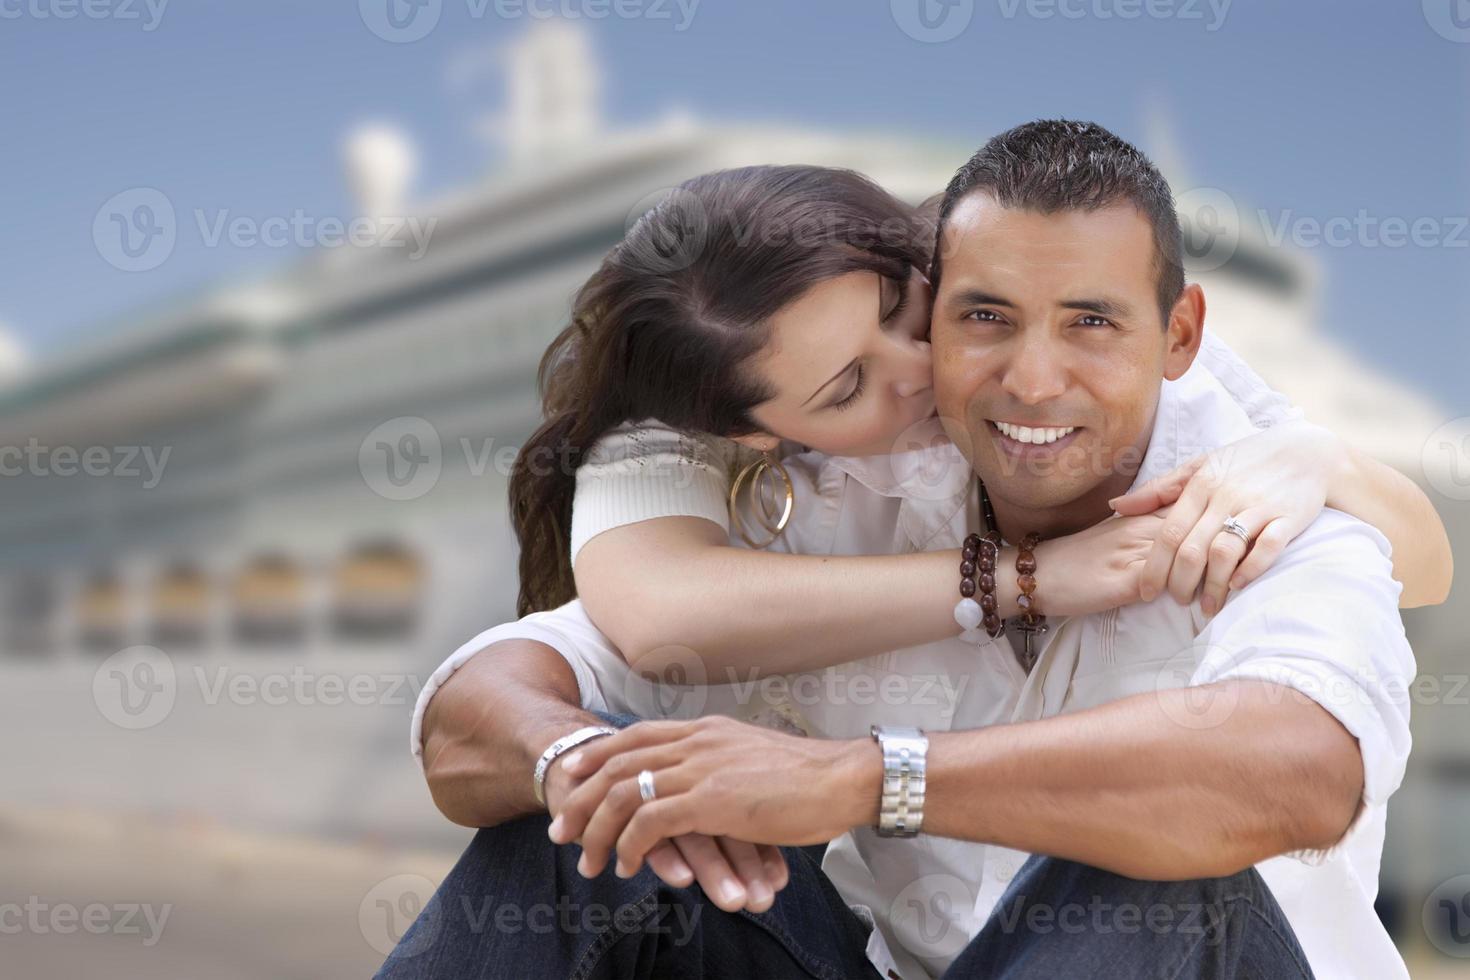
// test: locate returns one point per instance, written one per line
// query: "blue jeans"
(515, 907)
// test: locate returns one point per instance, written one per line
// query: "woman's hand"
(1096, 569)
(713, 776)
(734, 874)
(1274, 482)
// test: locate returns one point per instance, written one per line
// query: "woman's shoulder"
(639, 443)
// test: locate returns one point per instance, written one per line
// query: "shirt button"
(1004, 873)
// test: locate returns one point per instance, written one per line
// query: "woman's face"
(849, 362)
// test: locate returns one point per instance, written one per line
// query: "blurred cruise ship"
(311, 512)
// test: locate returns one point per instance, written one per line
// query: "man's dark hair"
(1053, 165)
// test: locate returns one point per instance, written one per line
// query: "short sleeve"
(1324, 621)
(643, 470)
(1263, 404)
(567, 629)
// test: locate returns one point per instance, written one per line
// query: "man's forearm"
(488, 724)
(1156, 786)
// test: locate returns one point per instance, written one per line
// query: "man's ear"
(761, 442)
(1185, 331)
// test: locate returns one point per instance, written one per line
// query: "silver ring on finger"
(1238, 529)
(645, 785)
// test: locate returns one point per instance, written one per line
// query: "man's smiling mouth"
(1023, 437)
(1020, 441)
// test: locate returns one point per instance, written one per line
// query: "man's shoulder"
(1337, 533)
(1337, 562)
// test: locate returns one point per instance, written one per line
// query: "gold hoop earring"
(755, 472)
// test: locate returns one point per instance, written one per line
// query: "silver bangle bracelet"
(563, 744)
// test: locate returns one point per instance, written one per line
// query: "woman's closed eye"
(899, 301)
(857, 390)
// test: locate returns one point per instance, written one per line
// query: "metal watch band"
(901, 809)
(566, 742)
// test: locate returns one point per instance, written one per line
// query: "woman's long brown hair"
(667, 325)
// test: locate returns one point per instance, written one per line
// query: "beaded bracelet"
(977, 573)
(1032, 622)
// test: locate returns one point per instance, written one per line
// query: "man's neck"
(1016, 521)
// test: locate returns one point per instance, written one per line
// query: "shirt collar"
(927, 466)
(1195, 414)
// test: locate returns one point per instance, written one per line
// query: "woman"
(700, 322)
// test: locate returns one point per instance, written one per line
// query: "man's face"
(1049, 350)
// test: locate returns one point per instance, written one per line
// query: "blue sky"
(1307, 109)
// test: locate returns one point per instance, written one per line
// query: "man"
(1160, 742)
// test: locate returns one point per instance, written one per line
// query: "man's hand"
(733, 873)
(713, 776)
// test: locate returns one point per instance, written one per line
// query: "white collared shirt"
(1323, 620)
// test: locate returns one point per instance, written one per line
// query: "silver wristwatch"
(563, 744)
(901, 810)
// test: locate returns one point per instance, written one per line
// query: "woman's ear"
(761, 442)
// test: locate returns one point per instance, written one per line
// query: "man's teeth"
(1034, 436)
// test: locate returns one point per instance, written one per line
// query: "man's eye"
(983, 316)
(1093, 320)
